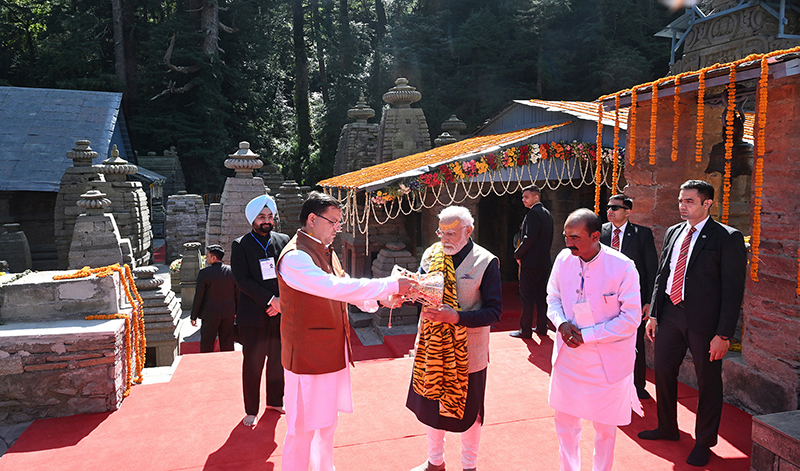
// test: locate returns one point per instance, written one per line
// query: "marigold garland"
(761, 121)
(726, 181)
(653, 119)
(615, 157)
(676, 110)
(632, 127)
(598, 173)
(128, 350)
(701, 92)
(135, 325)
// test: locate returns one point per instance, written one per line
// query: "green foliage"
(467, 57)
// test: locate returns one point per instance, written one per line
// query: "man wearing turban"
(258, 319)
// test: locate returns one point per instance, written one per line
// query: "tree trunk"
(300, 90)
(345, 59)
(380, 32)
(209, 25)
(130, 45)
(323, 76)
(119, 43)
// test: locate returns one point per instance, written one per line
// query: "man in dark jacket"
(533, 257)
(215, 302)
(637, 243)
(258, 319)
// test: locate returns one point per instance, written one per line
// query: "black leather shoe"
(659, 435)
(517, 334)
(699, 456)
(643, 394)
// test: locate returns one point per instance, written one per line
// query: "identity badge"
(267, 268)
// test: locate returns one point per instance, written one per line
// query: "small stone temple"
(358, 142)
(14, 249)
(162, 316)
(74, 183)
(226, 219)
(185, 222)
(96, 241)
(289, 199)
(129, 205)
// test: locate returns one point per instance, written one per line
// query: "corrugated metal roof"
(417, 164)
(38, 126)
(582, 110)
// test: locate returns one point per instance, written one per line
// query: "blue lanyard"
(262, 245)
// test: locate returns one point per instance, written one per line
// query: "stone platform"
(60, 368)
(776, 442)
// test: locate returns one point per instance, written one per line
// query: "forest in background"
(202, 75)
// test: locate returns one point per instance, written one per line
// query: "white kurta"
(595, 380)
(324, 395)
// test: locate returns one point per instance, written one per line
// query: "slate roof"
(39, 126)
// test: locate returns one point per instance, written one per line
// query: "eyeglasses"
(448, 234)
(615, 207)
(336, 224)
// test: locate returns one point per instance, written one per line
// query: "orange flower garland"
(135, 323)
(701, 92)
(653, 118)
(675, 118)
(632, 128)
(726, 182)
(615, 155)
(761, 117)
(598, 170)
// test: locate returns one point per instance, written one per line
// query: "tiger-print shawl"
(441, 365)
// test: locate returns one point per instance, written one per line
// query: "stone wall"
(60, 369)
(186, 222)
(765, 378)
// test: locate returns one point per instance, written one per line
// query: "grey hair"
(458, 212)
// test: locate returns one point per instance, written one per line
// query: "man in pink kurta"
(593, 299)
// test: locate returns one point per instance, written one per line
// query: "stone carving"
(95, 240)
(74, 183)
(162, 316)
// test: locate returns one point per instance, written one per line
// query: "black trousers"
(672, 340)
(533, 291)
(640, 365)
(261, 345)
(209, 328)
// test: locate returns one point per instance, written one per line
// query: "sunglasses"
(615, 207)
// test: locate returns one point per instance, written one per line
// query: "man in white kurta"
(593, 299)
(315, 333)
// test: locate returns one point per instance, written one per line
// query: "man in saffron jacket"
(315, 333)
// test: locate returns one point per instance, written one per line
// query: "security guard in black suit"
(637, 243)
(215, 302)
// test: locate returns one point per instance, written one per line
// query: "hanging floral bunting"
(632, 127)
(726, 179)
(653, 120)
(701, 92)
(761, 121)
(598, 166)
(615, 158)
(676, 110)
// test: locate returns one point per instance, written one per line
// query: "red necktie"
(676, 293)
(615, 240)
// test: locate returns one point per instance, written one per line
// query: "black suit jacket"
(536, 238)
(216, 293)
(255, 293)
(639, 246)
(715, 276)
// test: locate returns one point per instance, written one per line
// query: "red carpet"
(194, 422)
(160, 255)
